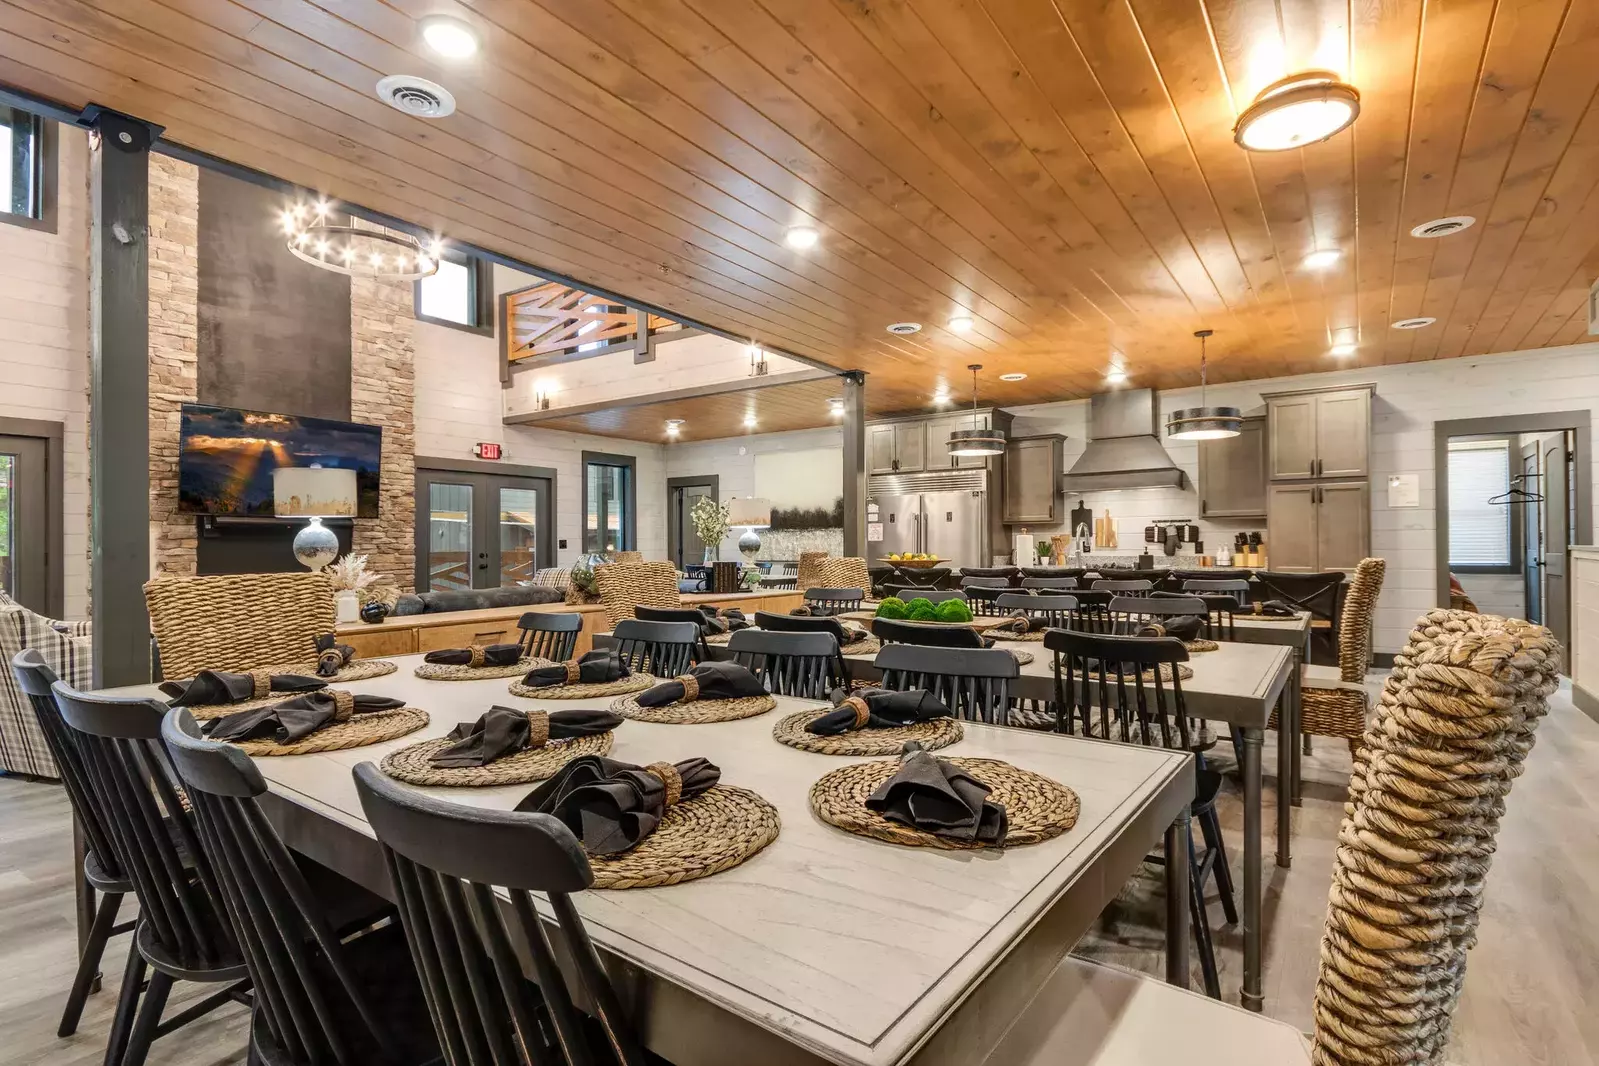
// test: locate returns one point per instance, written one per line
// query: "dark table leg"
(1287, 741)
(1252, 995)
(1302, 657)
(1177, 901)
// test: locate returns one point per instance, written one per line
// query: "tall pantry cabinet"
(1318, 460)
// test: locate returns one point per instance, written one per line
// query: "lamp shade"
(751, 512)
(322, 491)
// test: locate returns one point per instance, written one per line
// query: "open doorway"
(683, 544)
(1512, 496)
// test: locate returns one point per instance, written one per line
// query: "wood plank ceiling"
(778, 409)
(1061, 170)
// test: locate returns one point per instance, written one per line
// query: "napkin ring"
(329, 662)
(343, 705)
(862, 712)
(574, 671)
(670, 778)
(476, 652)
(1152, 629)
(538, 728)
(260, 683)
(691, 687)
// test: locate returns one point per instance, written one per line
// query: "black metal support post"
(119, 447)
(854, 463)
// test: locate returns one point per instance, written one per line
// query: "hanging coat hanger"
(1515, 496)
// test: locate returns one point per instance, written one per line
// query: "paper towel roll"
(1025, 552)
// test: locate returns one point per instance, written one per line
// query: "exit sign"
(486, 450)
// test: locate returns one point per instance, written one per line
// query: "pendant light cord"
(1204, 389)
(974, 397)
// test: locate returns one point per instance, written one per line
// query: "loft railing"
(553, 323)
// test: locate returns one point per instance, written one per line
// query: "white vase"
(346, 606)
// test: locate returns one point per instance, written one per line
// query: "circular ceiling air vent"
(416, 96)
(904, 329)
(1414, 323)
(1442, 227)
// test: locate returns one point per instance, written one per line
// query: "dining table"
(825, 946)
(1292, 631)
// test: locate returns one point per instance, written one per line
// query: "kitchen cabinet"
(1316, 527)
(896, 448)
(938, 431)
(1033, 467)
(1320, 434)
(1232, 473)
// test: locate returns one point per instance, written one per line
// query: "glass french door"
(24, 558)
(481, 531)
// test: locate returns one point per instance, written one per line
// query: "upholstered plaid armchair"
(65, 647)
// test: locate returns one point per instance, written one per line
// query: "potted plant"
(582, 586)
(710, 523)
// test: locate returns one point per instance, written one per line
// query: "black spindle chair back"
(982, 598)
(1129, 613)
(1124, 586)
(1111, 687)
(1236, 587)
(691, 615)
(1044, 584)
(1093, 611)
(805, 665)
(833, 600)
(1058, 610)
(985, 581)
(665, 649)
(550, 636)
(974, 683)
(1220, 611)
(925, 634)
(446, 862)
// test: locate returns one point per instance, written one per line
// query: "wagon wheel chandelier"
(366, 251)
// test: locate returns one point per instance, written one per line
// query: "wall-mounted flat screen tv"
(255, 464)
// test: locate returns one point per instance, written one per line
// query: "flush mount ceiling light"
(1322, 258)
(1013, 377)
(835, 406)
(1442, 227)
(904, 329)
(749, 420)
(1341, 350)
(1204, 422)
(673, 425)
(976, 441)
(801, 237)
(360, 252)
(416, 96)
(960, 324)
(450, 38)
(1298, 110)
(1116, 376)
(1414, 323)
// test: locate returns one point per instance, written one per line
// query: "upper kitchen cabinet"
(1325, 433)
(1033, 467)
(1232, 474)
(896, 447)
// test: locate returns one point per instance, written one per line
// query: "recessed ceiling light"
(835, 406)
(1442, 227)
(749, 420)
(960, 324)
(450, 38)
(416, 96)
(1116, 376)
(904, 329)
(801, 237)
(1414, 323)
(1298, 110)
(1342, 349)
(673, 425)
(1322, 258)
(1013, 377)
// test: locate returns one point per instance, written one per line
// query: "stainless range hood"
(1123, 451)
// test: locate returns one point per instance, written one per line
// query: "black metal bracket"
(122, 132)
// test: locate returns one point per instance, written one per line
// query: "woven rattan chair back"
(1111, 687)
(1042, 584)
(665, 649)
(238, 621)
(917, 592)
(804, 665)
(833, 600)
(848, 572)
(925, 634)
(974, 683)
(806, 570)
(548, 635)
(1056, 609)
(623, 586)
(1124, 586)
(310, 1008)
(446, 862)
(1354, 627)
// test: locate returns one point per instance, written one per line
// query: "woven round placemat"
(718, 639)
(712, 832)
(355, 732)
(592, 690)
(1202, 644)
(456, 672)
(696, 712)
(410, 764)
(1035, 637)
(864, 646)
(937, 733)
(354, 670)
(1023, 656)
(1036, 808)
(205, 711)
(1183, 672)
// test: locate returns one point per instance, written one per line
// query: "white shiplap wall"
(44, 345)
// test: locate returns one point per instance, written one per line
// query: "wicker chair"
(805, 575)
(624, 586)
(846, 573)
(238, 621)
(628, 557)
(1338, 708)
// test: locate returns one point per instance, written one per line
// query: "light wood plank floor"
(1523, 1003)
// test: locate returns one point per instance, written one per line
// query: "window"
(608, 503)
(460, 294)
(27, 178)
(1481, 534)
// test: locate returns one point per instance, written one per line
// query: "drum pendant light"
(1204, 422)
(976, 441)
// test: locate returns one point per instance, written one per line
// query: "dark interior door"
(1557, 535)
(481, 531)
(684, 544)
(1532, 535)
(24, 548)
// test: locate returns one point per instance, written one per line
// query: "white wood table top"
(856, 951)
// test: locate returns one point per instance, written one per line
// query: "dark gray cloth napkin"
(1019, 621)
(611, 806)
(331, 656)
(502, 731)
(718, 620)
(291, 720)
(493, 655)
(1277, 609)
(1184, 627)
(596, 667)
(211, 687)
(721, 680)
(883, 709)
(938, 797)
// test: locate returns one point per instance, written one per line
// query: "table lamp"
(314, 492)
(752, 513)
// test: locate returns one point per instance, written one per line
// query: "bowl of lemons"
(913, 560)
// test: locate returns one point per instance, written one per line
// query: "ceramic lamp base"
(748, 545)
(316, 545)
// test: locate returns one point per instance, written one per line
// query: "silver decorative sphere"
(316, 545)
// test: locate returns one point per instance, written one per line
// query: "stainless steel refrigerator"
(951, 525)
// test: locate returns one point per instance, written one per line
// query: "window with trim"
(609, 503)
(27, 177)
(460, 294)
(1482, 535)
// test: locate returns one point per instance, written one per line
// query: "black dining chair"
(549, 636)
(102, 869)
(1220, 611)
(664, 649)
(1093, 611)
(1075, 572)
(805, 665)
(1117, 681)
(693, 616)
(926, 634)
(449, 863)
(1058, 610)
(1320, 594)
(934, 596)
(1236, 587)
(981, 598)
(184, 933)
(974, 683)
(985, 581)
(925, 577)
(833, 600)
(1048, 584)
(320, 997)
(877, 577)
(1128, 613)
(1124, 586)
(1011, 574)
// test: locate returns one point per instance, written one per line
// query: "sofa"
(477, 599)
(65, 647)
